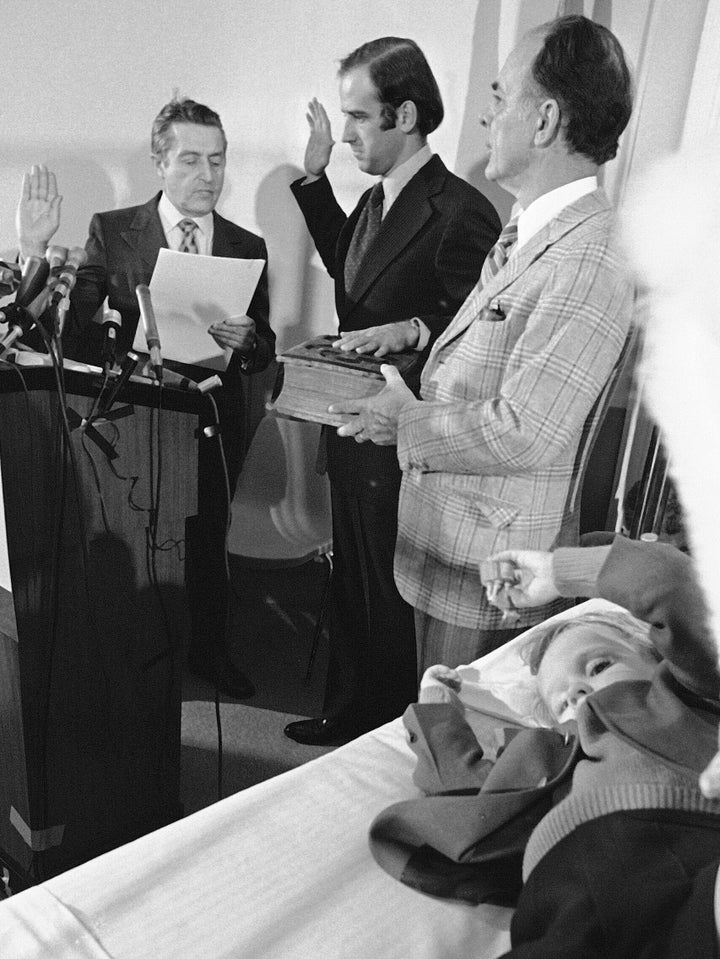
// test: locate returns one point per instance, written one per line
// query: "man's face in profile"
(376, 149)
(193, 168)
(511, 118)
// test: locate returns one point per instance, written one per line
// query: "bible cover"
(314, 374)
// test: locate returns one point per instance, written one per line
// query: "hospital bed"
(281, 870)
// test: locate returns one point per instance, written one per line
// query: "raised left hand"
(236, 333)
(376, 418)
(38, 211)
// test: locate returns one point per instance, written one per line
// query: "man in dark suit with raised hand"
(189, 151)
(402, 262)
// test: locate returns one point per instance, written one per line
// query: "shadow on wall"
(301, 293)
(281, 508)
(472, 151)
(142, 182)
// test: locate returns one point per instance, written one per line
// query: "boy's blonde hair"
(631, 632)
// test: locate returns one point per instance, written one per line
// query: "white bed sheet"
(282, 870)
(279, 871)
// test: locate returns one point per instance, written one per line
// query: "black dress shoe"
(334, 731)
(224, 675)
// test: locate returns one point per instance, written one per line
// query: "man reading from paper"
(189, 151)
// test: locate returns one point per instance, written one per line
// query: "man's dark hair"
(180, 111)
(582, 65)
(400, 72)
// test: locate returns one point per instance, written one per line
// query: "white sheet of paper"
(189, 293)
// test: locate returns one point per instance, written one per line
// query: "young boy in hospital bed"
(596, 825)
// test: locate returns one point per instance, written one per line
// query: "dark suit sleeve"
(470, 234)
(448, 755)
(324, 217)
(259, 311)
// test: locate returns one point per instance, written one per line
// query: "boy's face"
(583, 659)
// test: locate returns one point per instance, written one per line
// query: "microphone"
(126, 370)
(142, 291)
(9, 278)
(32, 280)
(76, 258)
(21, 321)
(171, 378)
(112, 321)
(56, 257)
(24, 310)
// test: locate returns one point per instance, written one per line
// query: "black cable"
(98, 485)
(228, 518)
(152, 545)
(64, 446)
(67, 462)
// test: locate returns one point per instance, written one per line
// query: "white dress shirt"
(398, 179)
(547, 206)
(170, 217)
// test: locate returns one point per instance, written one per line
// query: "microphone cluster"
(9, 277)
(42, 288)
(44, 285)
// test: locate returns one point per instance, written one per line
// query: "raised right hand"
(320, 142)
(38, 211)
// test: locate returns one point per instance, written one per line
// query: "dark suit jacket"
(122, 249)
(424, 261)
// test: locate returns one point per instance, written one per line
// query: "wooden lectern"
(91, 637)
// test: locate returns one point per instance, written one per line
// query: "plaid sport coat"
(513, 392)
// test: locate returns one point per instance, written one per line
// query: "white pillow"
(499, 685)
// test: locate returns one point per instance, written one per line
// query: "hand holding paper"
(236, 333)
(199, 295)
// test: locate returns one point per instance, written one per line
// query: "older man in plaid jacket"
(514, 389)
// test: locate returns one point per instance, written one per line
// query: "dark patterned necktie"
(189, 242)
(498, 255)
(366, 230)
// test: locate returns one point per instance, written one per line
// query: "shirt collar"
(170, 216)
(399, 178)
(547, 206)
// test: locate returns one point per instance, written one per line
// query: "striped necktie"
(189, 242)
(498, 255)
(366, 229)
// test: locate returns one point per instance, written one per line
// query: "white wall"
(83, 82)
(83, 101)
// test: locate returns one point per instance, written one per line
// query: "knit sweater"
(615, 774)
(483, 826)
